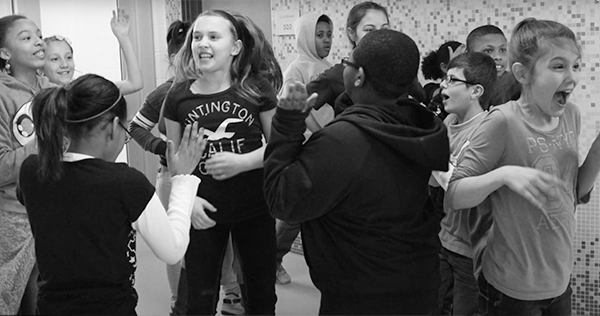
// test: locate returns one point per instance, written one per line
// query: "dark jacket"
(360, 189)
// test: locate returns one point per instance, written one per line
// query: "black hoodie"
(360, 189)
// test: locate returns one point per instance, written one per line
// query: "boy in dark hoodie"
(360, 185)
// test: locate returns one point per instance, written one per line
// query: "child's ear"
(351, 34)
(237, 48)
(114, 126)
(4, 54)
(520, 72)
(477, 92)
(359, 78)
(444, 67)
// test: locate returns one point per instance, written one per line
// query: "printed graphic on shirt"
(556, 155)
(227, 125)
(131, 255)
(226, 107)
(22, 125)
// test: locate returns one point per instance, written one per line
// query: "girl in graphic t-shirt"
(531, 175)
(217, 85)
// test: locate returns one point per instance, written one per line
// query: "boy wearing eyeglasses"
(466, 93)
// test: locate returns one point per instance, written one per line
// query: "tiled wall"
(432, 22)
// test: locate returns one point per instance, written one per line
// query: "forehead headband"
(96, 115)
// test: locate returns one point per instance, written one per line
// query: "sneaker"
(282, 276)
(232, 305)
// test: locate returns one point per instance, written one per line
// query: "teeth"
(40, 54)
(498, 66)
(205, 55)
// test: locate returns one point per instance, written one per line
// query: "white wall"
(5, 8)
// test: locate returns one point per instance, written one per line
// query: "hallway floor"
(297, 298)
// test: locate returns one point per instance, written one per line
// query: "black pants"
(255, 241)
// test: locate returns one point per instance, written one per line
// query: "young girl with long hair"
(531, 176)
(221, 82)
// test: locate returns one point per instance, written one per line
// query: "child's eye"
(503, 50)
(53, 59)
(577, 67)
(487, 51)
(213, 37)
(196, 38)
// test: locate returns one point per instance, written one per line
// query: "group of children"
(360, 183)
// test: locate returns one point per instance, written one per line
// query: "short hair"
(390, 60)
(325, 18)
(532, 38)
(431, 63)
(479, 68)
(480, 32)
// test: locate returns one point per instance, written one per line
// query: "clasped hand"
(296, 98)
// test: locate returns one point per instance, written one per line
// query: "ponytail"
(71, 111)
(49, 109)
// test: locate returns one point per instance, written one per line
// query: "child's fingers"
(170, 150)
(200, 141)
(185, 139)
(310, 102)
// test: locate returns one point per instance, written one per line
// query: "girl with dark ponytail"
(85, 209)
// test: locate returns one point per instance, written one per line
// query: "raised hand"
(459, 50)
(119, 24)
(297, 98)
(187, 157)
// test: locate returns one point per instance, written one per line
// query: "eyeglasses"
(449, 80)
(128, 136)
(346, 62)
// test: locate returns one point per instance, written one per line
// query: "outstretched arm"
(167, 233)
(119, 25)
(533, 184)
(304, 181)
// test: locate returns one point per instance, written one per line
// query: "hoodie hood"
(407, 127)
(304, 29)
(308, 65)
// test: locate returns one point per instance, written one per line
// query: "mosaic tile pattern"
(173, 11)
(432, 22)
